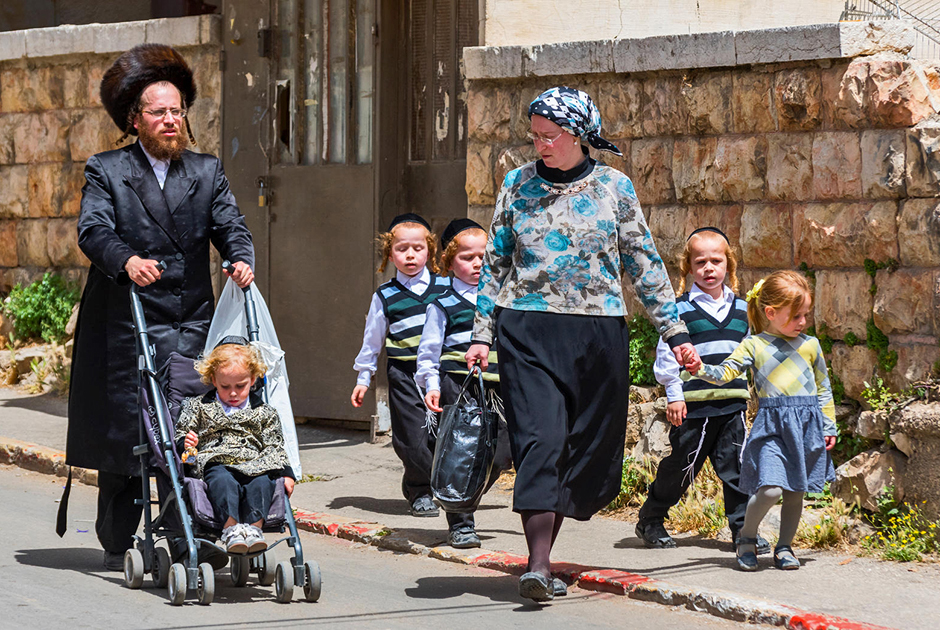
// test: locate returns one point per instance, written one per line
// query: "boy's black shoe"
(463, 538)
(113, 561)
(763, 547)
(655, 536)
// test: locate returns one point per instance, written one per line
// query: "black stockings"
(541, 530)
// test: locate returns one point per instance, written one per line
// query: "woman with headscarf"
(566, 231)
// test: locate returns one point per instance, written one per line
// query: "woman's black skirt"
(565, 383)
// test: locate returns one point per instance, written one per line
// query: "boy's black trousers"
(722, 444)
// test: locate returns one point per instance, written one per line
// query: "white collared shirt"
(428, 375)
(230, 410)
(665, 368)
(373, 339)
(160, 167)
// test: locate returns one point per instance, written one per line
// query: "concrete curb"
(715, 603)
(640, 587)
(42, 459)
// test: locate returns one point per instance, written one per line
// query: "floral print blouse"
(566, 253)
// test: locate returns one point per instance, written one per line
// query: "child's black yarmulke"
(455, 227)
(409, 217)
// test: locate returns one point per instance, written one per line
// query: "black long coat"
(124, 213)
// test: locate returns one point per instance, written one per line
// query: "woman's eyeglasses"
(535, 137)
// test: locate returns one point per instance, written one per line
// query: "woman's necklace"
(569, 190)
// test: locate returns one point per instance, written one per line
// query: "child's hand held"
(830, 442)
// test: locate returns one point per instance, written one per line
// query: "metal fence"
(923, 14)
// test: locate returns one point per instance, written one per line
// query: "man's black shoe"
(113, 561)
(655, 536)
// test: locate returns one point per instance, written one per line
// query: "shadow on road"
(48, 403)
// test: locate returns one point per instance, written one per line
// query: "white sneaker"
(234, 539)
(254, 538)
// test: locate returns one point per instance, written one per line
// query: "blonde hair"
(685, 260)
(385, 240)
(247, 357)
(779, 290)
(447, 257)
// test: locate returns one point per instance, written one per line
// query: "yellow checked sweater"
(781, 367)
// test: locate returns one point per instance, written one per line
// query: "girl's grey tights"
(758, 506)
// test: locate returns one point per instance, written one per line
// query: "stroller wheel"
(239, 567)
(267, 567)
(284, 582)
(133, 568)
(205, 589)
(161, 567)
(311, 581)
(177, 584)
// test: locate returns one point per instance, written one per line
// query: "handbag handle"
(474, 371)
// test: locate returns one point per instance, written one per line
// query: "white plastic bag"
(230, 319)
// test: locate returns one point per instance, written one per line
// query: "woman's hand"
(830, 442)
(433, 400)
(478, 353)
(288, 486)
(359, 392)
(191, 440)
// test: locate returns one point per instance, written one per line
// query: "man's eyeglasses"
(543, 139)
(161, 113)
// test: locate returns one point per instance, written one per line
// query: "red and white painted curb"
(716, 603)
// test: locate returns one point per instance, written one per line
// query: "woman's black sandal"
(537, 587)
(747, 561)
(784, 558)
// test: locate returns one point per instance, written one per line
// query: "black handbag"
(465, 449)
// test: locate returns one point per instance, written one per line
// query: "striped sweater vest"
(714, 341)
(459, 312)
(405, 312)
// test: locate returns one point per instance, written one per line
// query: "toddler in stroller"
(248, 440)
(242, 451)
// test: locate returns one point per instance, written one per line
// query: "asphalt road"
(50, 582)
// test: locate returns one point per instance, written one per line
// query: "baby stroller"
(186, 519)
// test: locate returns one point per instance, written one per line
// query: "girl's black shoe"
(784, 558)
(747, 561)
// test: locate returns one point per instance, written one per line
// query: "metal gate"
(323, 124)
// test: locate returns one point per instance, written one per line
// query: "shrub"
(42, 309)
(643, 340)
(903, 533)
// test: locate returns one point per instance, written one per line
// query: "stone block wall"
(52, 121)
(820, 156)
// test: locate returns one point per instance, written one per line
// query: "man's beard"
(163, 147)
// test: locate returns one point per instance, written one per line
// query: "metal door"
(435, 171)
(338, 115)
(323, 207)
(315, 66)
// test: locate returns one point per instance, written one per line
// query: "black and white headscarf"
(575, 112)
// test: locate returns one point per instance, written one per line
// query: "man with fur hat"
(150, 201)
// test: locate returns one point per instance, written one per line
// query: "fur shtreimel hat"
(133, 71)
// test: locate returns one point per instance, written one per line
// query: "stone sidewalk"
(356, 495)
